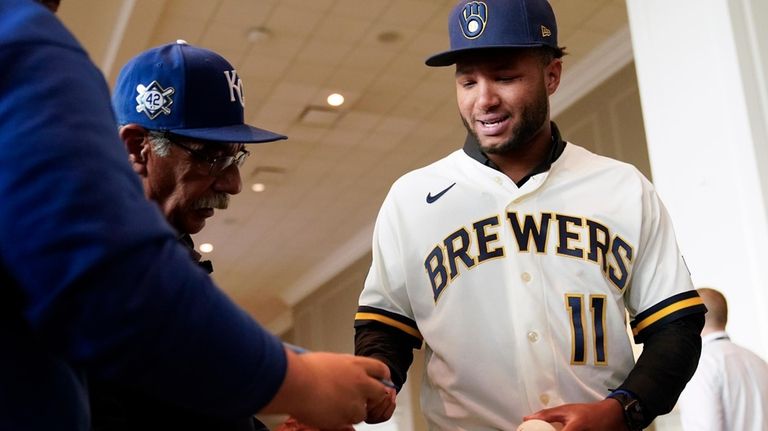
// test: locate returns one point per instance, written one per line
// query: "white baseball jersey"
(519, 294)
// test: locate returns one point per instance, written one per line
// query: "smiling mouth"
(494, 122)
(492, 126)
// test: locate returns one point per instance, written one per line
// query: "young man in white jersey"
(515, 259)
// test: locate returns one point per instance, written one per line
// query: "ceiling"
(325, 184)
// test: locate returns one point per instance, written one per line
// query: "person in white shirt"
(729, 390)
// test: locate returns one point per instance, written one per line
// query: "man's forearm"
(389, 345)
(669, 359)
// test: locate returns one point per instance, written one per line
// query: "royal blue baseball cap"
(491, 24)
(188, 91)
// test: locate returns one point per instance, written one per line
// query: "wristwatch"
(633, 411)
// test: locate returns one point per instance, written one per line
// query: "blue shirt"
(92, 279)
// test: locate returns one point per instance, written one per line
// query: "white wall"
(701, 73)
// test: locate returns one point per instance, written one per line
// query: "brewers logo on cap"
(513, 24)
(473, 19)
(154, 99)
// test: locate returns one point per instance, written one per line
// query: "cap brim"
(240, 133)
(449, 58)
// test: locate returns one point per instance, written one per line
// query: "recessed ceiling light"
(258, 187)
(258, 34)
(206, 247)
(335, 99)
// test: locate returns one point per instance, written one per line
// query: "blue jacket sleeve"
(86, 262)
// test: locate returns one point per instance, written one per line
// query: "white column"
(702, 71)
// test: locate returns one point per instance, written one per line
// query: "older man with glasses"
(180, 111)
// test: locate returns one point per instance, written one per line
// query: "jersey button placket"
(533, 336)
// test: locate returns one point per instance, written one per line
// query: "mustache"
(215, 200)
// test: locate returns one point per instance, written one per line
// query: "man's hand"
(605, 415)
(329, 390)
(381, 410)
(293, 425)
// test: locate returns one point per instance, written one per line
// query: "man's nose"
(487, 96)
(228, 181)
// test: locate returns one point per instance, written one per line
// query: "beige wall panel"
(609, 121)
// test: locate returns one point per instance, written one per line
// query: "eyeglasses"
(216, 164)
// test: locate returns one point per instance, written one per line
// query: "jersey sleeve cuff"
(672, 308)
(366, 315)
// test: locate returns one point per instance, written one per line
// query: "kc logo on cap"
(473, 19)
(235, 86)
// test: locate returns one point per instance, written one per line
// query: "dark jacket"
(116, 407)
(92, 279)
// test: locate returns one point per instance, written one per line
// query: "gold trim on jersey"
(666, 311)
(390, 322)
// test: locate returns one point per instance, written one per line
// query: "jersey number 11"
(575, 305)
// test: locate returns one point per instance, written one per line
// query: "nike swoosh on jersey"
(431, 199)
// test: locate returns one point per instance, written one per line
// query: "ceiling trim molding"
(118, 34)
(595, 68)
(330, 267)
(280, 324)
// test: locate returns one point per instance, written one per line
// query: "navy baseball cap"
(188, 91)
(497, 24)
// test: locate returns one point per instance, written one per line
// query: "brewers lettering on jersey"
(519, 261)
(577, 237)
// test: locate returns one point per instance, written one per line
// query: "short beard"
(533, 117)
(216, 201)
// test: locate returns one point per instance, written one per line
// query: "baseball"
(539, 425)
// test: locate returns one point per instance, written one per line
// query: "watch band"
(633, 411)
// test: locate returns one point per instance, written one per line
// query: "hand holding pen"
(329, 390)
(378, 409)
(300, 350)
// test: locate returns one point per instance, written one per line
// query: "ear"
(135, 139)
(552, 75)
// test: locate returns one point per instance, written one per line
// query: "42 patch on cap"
(154, 100)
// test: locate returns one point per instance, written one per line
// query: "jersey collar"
(714, 336)
(472, 149)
